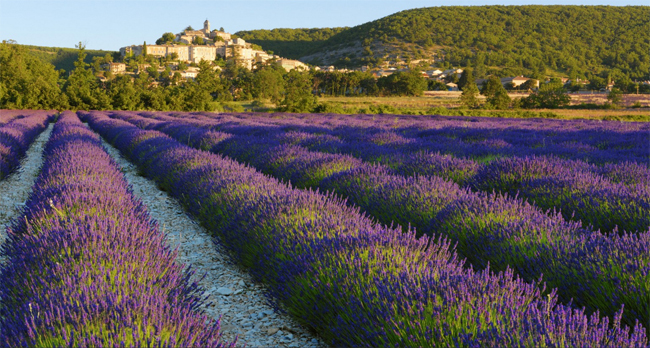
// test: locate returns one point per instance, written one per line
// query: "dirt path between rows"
(233, 294)
(15, 189)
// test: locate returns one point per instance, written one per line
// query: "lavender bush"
(86, 266)
(355, 282)
(495, 229)
(17, 135)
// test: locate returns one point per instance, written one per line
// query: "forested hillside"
(535, 40)
(293, 43)
(63, 58)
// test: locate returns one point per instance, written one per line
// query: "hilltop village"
(192, 46)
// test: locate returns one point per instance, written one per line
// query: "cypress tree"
(465, 78)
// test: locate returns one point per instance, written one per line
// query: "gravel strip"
(15, 189)
(230, 290)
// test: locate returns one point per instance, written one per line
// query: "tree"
(196, 98)
(298, 96)
(496, 95)
(500, 100)
(403, 83)
(189, 28)
(451, 78)
(491, 86)
(615, 97)
(529, 85)
(466, 78)
(469, 96)
(166, 38)
(123, 94)
(144, 49)
(197, 40)
(550, 95)
(96, 64)
(596, 83)
(82, 88)
(153, 72)
(268, 83)
(26, 82)
(435, 85)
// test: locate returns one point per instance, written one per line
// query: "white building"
(225, 46)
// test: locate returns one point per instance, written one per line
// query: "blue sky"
(111, 24)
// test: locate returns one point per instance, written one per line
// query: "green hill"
(292, 43)
(63, 58)
(534, 40)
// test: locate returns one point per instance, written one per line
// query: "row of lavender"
(481, 138)
(598, 271)
(7, 115)
(355, 282)
(609, 197)
(593, 141)
(17, 134)
(614, 196)
(86, 266)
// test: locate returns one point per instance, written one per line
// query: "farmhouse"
(515, 81)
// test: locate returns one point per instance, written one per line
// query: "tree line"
(29, 83)
(156, 84)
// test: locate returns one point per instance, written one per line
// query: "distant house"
(516, 81)
(434, 73)
(115, 68)
(453, 71)
(452, 87)
(578, 81)
(189, 74)
(290, 64)
(385, 72)
(143, 67)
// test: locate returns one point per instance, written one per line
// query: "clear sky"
(111, 24)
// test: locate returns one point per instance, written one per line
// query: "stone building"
(290, 64)
(116, 68)
(225, 47)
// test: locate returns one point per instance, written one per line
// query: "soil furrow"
(15, 189)
(233, 295)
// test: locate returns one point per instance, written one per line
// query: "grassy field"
(447, 103)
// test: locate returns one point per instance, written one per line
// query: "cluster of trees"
(549, 95)
(589, 42)
(27, 82)
(552, 94)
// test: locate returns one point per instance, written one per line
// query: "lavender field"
(364, 230)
